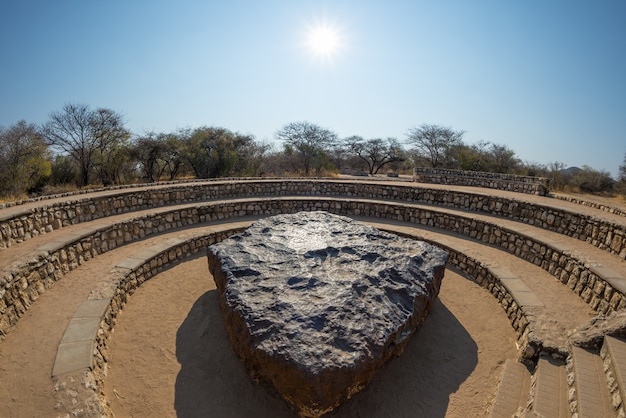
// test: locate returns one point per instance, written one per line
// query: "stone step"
(614, 366)
(592, 393)
(108, 234)
(550, 397)
(512, 392)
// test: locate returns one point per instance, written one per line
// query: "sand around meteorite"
(315, 303)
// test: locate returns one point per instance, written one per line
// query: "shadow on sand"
(213, 383)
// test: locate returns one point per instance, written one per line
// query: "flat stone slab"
(75, 351)
(315, 303)
(73, 356)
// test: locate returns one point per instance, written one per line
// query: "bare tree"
(70, 132)
(85, 134)
(159, 155)
(433, 141)
(310, 141)
(147, 150)
(375, 152)
(112, 140)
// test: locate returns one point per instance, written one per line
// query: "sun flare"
(323, 40)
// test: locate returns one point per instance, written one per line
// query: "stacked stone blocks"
(21, 284)
(22, 225)
(511, 182)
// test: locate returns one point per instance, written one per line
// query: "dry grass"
(13, 198)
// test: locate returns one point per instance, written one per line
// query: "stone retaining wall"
(21, 284)
(30, 223)
(490, 280)
(78, 392)
(510, 182)
(125, 281)
(519, 315)
(589, 203)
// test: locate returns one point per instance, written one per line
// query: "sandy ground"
(170, 356)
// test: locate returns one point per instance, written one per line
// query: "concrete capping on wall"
(20, 226)
(20, 285)
(510, 182)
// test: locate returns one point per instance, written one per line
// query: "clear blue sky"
(546, 78)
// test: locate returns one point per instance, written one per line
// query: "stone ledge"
(615, 279)
(83, 347)
(21, 284)
(82, 356)
(510, 182)
(588, 203)
(76, 348)
(124, 281)
(607, 235)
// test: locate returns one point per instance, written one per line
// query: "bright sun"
(324, 41)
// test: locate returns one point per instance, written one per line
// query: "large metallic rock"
(315, 303)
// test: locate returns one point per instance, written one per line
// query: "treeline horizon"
(80, 146)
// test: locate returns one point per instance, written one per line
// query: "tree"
(146, 151)
(556, 174)
(433, 141)
(112, 140)
(311, 142)
(159, 155)
(502, 159)
(88, 136)
(251, 156)
(25, 160)
(172, 158)
(64, 170)
(589, 180)
(375, 152)
(215, 152)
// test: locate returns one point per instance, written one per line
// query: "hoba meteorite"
(315, 303)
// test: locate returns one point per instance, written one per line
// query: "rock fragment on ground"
(314, 303)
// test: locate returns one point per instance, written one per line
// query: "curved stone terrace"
(551, 264)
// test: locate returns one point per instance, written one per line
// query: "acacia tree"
(88, 136)
(375, 152)
(146, 151)
(311, 142)
(25, 160)
(593, 181)
(70, 132)
(251, 158)
(434, 141)
(503, 159)
(159, 155)
(112, 144)
(216, 152)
